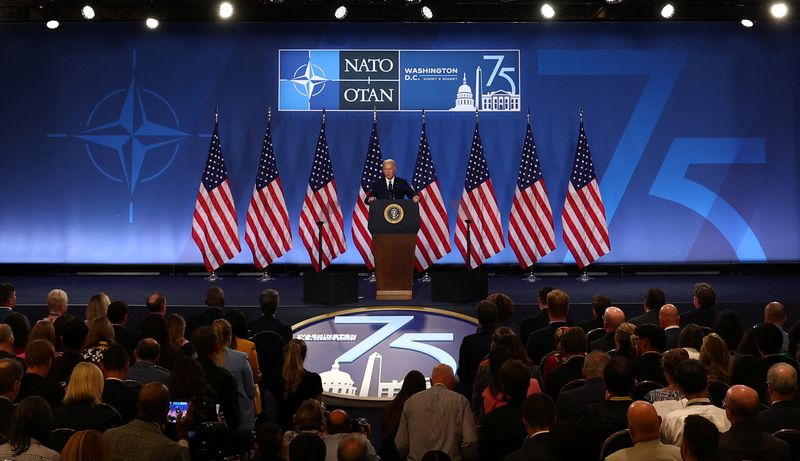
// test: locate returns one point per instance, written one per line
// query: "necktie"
(390, 185)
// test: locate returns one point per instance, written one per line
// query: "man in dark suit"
(390, 186)
(118, 316)
(215, 301)
(669, 319)
(207, 345)
(745, 440)
(612, 319)
(538, 416)
(653, 301)
(785, 410)
(115, 392)
(543, 341)
(39, 356)
(599, 305)
(10, 379)
(8, 301)
(703, 313)
(269, 301)
(157, 304)
(537, 321)
(502, 430)
(769, 340)
(572, 403)
(475, 347)
(649, 341)
(611, 415)
(573, 349)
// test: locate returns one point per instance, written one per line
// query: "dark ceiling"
(390, 10)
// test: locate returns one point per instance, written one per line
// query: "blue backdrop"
(693, 129)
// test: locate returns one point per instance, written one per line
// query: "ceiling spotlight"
(747, 22)
(151, 23)
(614, 2)
(52, 24)
(340, 12)
(427, 13)
(779, 10)
(225, 10)
(547, 11)
(87, 12)
(668, 11)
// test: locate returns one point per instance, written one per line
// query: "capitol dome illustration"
(465, 100)
(336, 381)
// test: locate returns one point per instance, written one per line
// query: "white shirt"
(388, 181)
(672, 426)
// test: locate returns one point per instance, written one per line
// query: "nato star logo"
(309, 80)
(127, 125)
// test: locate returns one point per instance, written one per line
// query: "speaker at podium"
(394, 225)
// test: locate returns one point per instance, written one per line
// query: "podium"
(394, 225)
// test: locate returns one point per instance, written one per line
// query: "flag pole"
(531, 278)
(425, 277)
(265, 276)
(584, 275)
(213, 277)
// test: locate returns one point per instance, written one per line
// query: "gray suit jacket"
(143, 441)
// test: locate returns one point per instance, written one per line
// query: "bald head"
(153, 402)
(643, 422)
(613, 318)
(775, 313)
(352, 448)
(338, 422)
(742, 404)
(443, 374)
(668, 316)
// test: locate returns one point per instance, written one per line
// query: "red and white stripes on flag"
(371, 173)
(479, 205)
(433, 238)
(321, 210)
(584, 216)
(214, 226)
(268, 233)
(530, 225)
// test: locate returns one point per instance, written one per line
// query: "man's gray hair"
(782, 377)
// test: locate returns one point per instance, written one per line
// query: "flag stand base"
(371, 278)
(584, 277)
(530, 278)
(213, 277)
(425, 278)
(265, 277)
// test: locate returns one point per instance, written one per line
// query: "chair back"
(617, 441)
(641, 389)
(59, 437)
(574, 384)
(792, 437)
(716, 391)
(595, 334)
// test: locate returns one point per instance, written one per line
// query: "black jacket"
(270, 323)
(534, 448)
(702, 316)
(85, 416)
(571, 404)
(223, 384)
(122, 398)
(33, 384)
(558, 377)
(543, 341)
(781, 415)
(203, 319)
(649, 317)
(400, 189)
(647, 367)
(747, 441)
(501, 432)
(474, 348)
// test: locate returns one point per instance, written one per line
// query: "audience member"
(31, 423)
(157, 304)
(729, 328)
(187, 383)
(115, 392)
(668, 398)
(43, 329)
(745, 440)
(176, 327)
(768, 341)
(692, 378)
(240, 343)
(39, 358)
(8, 300)
(501, 431)
(141, 439)
(644, 426)
(775, 314)
(784, 410)
(269, 442)
(572, 403)
(97, 306)
(542, 341)
(691, 339)
(339, 428)
(215, 301)
(746, 367)
(73, 332)
(703, 312)
(623, 340)
(57, 303)
(538, 416)
(437, 419)
(475, 347)
(118, 316)
(502, 336)
(669, 320)
(537, 321)
(653, 301)
(794, 340)
(297, 383)
(155, 326)
(352, 448)
(505, 311)
(82, 408)
(20, 328)
(599, 305)
(611, 415)
(649, 342)
(307, 447)
(269, 301)
(6, 342)
(413, 382)
(237, 365)
(715, 355)
(86, 446)
(10, 380)
(613, 317)
(145, 370)
(309, 419)
(208, 347)
(99, 338)
(573, 351)
(493, 395)
(700, 439)
(568, 442)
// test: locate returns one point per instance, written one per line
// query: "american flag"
(371, 173)
(478, 204)
(530, 225)
(433, 238)
(214, 226)
(322, 205)
(268, 233)
(584, 216)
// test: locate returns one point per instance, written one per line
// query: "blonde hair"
(100, 329)
(224, 334)
(293, 358)
(714, 353)
(43, 329)
(86, 446)
(56, 299)
(176, 329)
(85, 384)
(98, 306)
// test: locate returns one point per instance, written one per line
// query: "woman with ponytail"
(297, 383)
